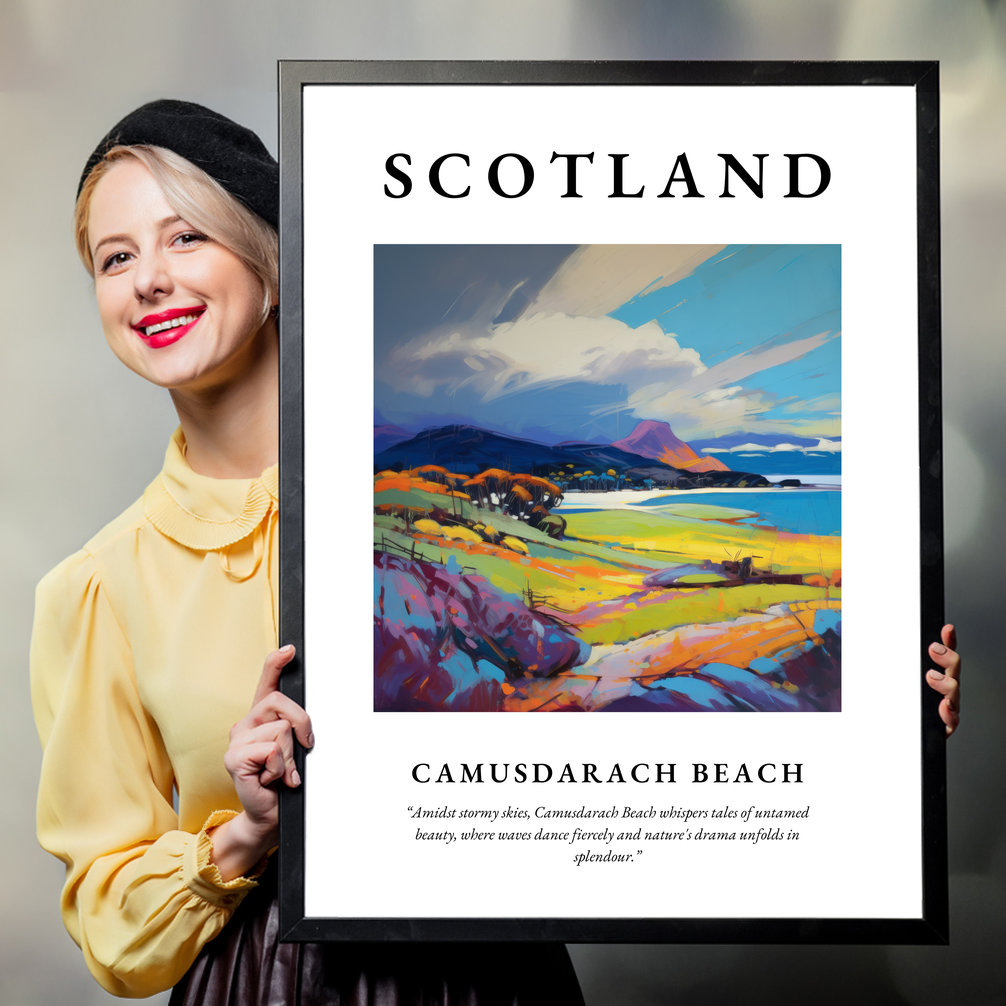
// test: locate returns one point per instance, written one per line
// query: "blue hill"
(469, 450)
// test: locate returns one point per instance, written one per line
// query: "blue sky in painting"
(559, 343)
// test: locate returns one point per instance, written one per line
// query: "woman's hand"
(260, 753)
(947, 682)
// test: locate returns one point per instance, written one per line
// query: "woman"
(149, 642)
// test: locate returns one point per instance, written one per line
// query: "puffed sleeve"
(141, 897)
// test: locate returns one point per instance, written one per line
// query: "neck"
(231, 425)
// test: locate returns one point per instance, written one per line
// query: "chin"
(191, 364)
(170, 374)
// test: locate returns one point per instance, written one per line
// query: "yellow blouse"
(147, 647)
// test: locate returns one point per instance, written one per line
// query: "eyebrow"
(160, 225)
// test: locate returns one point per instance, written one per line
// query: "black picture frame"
(932, 925)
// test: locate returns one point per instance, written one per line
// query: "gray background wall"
(81, 436)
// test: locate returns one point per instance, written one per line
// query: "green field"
(593, 577)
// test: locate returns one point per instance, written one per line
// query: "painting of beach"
(607, 478)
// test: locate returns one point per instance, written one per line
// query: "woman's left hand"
(948, 681)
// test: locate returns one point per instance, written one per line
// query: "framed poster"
(580, 325)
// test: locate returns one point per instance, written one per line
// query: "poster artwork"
(607, 478)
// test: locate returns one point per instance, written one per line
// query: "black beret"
(231, 154)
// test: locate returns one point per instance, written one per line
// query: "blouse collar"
(204, 513)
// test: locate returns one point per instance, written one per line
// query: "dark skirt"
(246, 965)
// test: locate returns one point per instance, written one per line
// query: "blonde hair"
(199, 200)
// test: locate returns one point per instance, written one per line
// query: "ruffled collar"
(203, 513)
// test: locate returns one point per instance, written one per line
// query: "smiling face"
(177, 307)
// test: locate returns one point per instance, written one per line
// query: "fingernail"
(295, 777)
(287, 649)
(938, 648)
(310, 740)
(937, 675)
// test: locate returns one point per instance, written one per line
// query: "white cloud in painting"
(541, 350)
(823, 446)
(716, 398)
(834, 446)
(565, 335)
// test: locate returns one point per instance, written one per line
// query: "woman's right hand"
(259, 754)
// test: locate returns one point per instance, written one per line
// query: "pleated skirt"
(246, 965)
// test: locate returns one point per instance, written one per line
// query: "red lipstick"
(166, 327)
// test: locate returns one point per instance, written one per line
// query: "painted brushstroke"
(546, 540)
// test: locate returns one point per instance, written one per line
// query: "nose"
(152, 277)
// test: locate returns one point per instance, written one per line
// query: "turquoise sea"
(815, 511)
